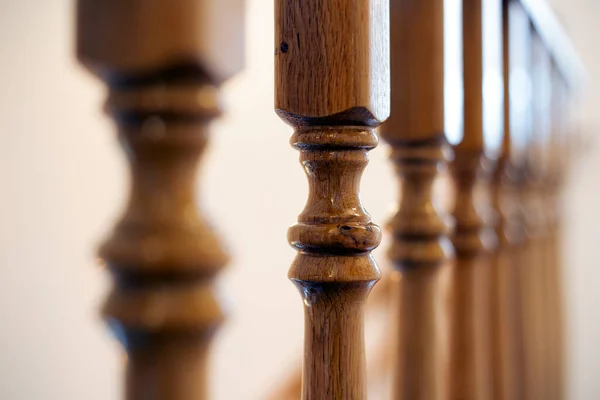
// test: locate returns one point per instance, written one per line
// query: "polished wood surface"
(377, 363)
(332, 86)
(476, 311)
(162, 73)
(421, 249)
(474, 237)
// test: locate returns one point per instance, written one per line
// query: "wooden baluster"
(162, 62)
(520, 116)
(548, 172)
(504, 290)
(536, 225)
(474, 237)
(558, 167)
(379, 298)
(421, 249)
(332, 86)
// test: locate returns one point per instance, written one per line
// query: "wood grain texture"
(334, 270)
(162, 255)
(332, 85)
(421, 250)
(377, 364)
(332, 57)
(474, 237)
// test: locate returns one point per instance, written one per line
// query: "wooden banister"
(474, 238)
(332, 86)
(163, 74)
(421, 249)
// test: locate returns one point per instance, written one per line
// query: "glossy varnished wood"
(332, 86)
(163, 73)
(474, 237)
(377, 363)
(421, 249)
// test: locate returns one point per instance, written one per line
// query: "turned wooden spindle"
(377, 362)
(162, 62)
(332, 86)
(474, 237)
(421, 249)
(506, 374)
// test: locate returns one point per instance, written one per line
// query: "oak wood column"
(162, 62)
(332, 86)
(421, 249)
(474, 238)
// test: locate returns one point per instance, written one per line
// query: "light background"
(63, 183)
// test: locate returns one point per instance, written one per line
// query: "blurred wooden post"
(543, 175)
(474, 236)
(421, 249)
(162, 62)
(332, 86)
(504, 290)
(559, 164)
(534, 269)
(520, 118)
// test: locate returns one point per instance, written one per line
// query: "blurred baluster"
(558, 167)
(474, 238)
(421, 249)
(520, 119)
(534, 268)
(332, 86)
(163, 62)
(505, 200)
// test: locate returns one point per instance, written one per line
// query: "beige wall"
(64, 181)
